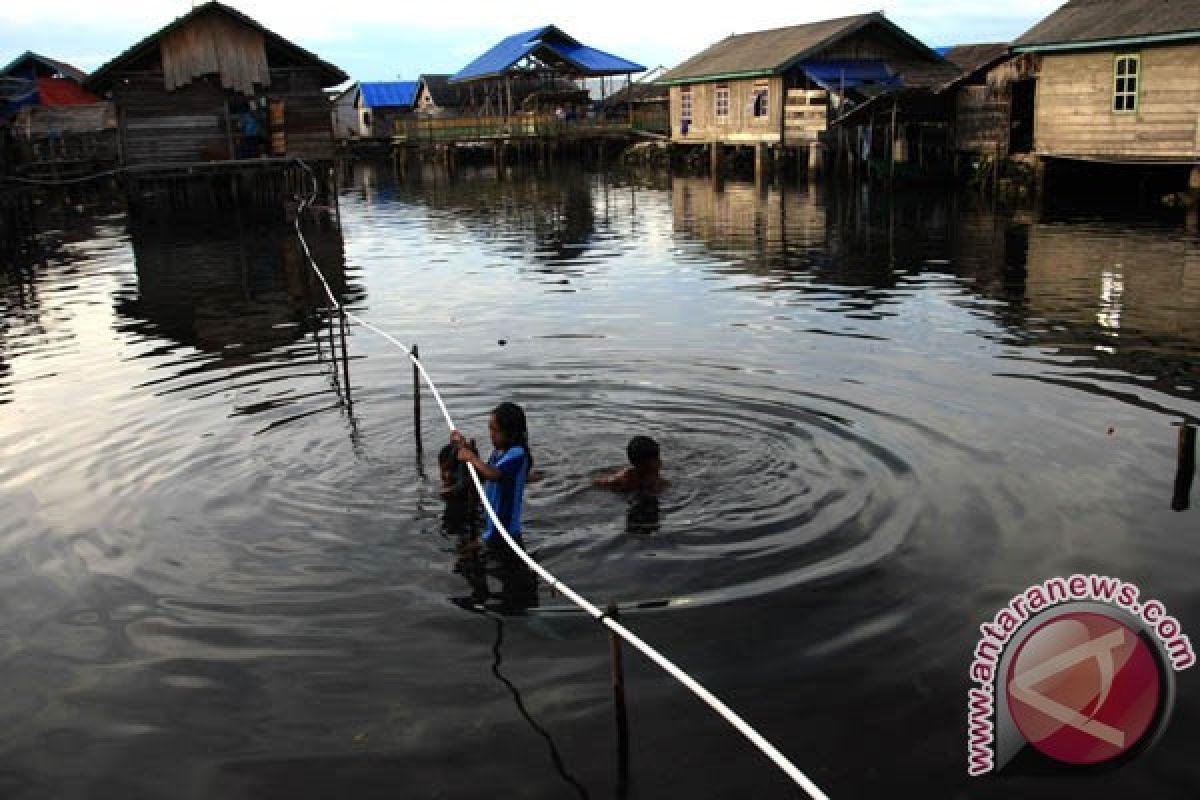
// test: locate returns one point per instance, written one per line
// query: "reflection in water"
(642, 518)
(1127, 293)
(248, 296)
(229, 290)
(886, 416)
(549, 218)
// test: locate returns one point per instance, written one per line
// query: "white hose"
(713, 702)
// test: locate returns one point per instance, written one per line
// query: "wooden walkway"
(465, 130)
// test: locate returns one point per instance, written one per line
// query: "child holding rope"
(504, 475)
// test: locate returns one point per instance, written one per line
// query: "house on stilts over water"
(1118, 83)
(215, 89)
(793, 89)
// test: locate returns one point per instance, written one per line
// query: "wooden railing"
(418, 130)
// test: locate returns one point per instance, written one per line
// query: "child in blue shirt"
(504, 475)
(506, 470)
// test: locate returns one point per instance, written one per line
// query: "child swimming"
(643, 472)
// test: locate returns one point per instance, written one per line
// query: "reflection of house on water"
(220, 288)
(1125, 294)
(550, 217)
(852, 236)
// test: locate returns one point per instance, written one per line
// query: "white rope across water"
(713, 702)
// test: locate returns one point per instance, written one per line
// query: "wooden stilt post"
(892, 138)
(417, 400)
(1181, 500)
(346, 365)
(622, 716)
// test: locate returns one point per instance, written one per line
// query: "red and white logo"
(1084, 688)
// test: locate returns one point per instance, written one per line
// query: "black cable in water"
(555, 756)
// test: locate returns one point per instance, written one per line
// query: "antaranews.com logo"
(1079, 668)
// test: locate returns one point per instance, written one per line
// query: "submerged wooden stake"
(417, 400)
(1181, 500)
(618, 684)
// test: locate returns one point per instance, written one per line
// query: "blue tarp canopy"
(551, 46)
(381, 94)
(851, 74)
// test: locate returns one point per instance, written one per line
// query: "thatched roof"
(103, 78)
(773, 51)
(1084, 23)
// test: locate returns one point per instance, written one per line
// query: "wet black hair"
(510, 418)
(448, 457)
(641, 449)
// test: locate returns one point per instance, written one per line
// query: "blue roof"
(379, 94)
(552, 45)
(851, 74)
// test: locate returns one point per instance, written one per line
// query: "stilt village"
(215, 103)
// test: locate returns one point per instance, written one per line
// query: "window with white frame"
(722, 103)
(685, 104)
(761, 102)
(1126, 77)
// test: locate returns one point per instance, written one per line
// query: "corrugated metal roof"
(550, 44)
(381, 94)
(1082, 21)
(63, 92)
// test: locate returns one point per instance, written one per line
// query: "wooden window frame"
(719, 93)
(686, 109)
(1120, 90)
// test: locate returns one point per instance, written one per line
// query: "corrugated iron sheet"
(381, 94)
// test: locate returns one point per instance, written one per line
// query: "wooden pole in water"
(618, 684)
(346, 366)
(417, 399)
(1181, 500)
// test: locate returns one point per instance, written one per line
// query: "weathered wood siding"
(741, 126)
(193, 123)
(981, 119)
(1074, 114)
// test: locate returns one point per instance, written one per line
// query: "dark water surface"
(880, 420)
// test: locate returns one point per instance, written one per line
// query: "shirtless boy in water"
(642, 474)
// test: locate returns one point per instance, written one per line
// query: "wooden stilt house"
(1118, 81)
(538, 65)
(437, 98)
(992, 100)
(60, 127)
(216, 85)
(371, 109)
(785, 86)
